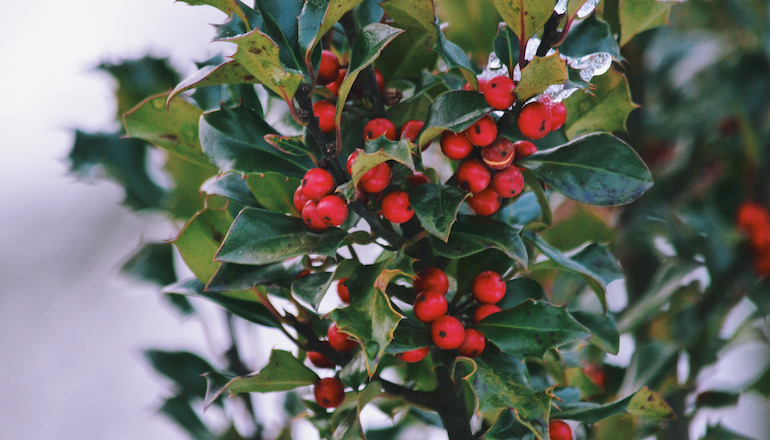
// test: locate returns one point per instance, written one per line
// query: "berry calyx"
(499, 154)
(558, 430)
(378, 127)
(334, 86)
(429, 306)
(340, 341)
(431, 278)
(317, 183)
(472, 175)
(319, 360)
(499, 92)
(299, 199)
(534, 120)
(329, 392)
(485, 202)
(447, 332)
(411, 129)
(329, 68)
(558, 115)
(488, 287)
(524, 149)
(456, 146)
(342, 291)
(311, 218)
(332, 210)
(413, 356)
(508, 182)
(473, 344)
(483, 311)
(324, 111)
(396, 207)
(378, 181)
(483, 132)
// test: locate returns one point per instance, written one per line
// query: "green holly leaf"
(292, 145)
(366, 48)
(229, 72)
(185, 369)
(179, 409)
(594, 263)
(519, 290)
(524, 17)
(370, 317)
(409, 335)
(473, 234)
(283, 372)
(408, 54)
(531, 329)
(637, 16)
(604, 108)
(317, 18)
(454, 57)
(235, 25)
(644, 403)
(436, 206)
(500, 382)
(274, 191)
(137, 79)
(229, 7)
(260, 56)
(540, 73)
(249, 310)
(582, 226)
(597, 169)
(233, 277)
(506, 46)
(312, 288)
(507, 427)
(454, 110)
(231, 186)
(199, 240)
(234, 140)
(591, 35)
(175, 129)
(382, 149)
(604, 331)
(413, 14)
(281, 26)
(346, 421)
(575, 377)
(258, 236)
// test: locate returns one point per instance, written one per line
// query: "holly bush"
(461, 211)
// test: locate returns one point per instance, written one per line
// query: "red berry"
(413, 356)
(430, 305)
(431, 278)
(483, 132)
(303, 273)
(456, 146)
(324, 111)
(349, 166)
(483, 311)
(342, 291)
(473, 343)
(524, 149)
(418, 179)
(447, 332)
(486, 202)
(396, 208)
(473, 175)
(499, 154)
(299, 199)
(329, 392)
(311, 218)
(340, 341)
(378, 127)
(411, 129)
(499, 92)
(334, 87)
(332, 210)
(508, 182)
(558, 430)
(317, 183)
(596, 374)
(379, 181)
(329, 69)
(558, 115)
(488, 287)
(380, 80)
(320, 360)
(534, 120)
(482, 84)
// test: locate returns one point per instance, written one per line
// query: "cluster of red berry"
(314, 199)
(754, 220)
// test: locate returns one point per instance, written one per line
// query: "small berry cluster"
(314, 199)
(754, 220)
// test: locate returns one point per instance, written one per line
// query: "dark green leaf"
(317, 18)
(603, 328)
(531, 329)
(520, 213)
(454, 57)
(179, 409)
(233, 186)
(227, 6)
(199, 240)
(543, 201)
(346, 423)
(582, 226)
(258, 236)
(473, 234)
(524, 17)
(280, 19)
(597, 169)
(409, 335)
(507, 47)
(519, 290)
(540, 73)
(232, 277)
(229, 72)
(589, 36)
(312, 288)
(456, 111)
(413, 14)
(637, 16)
(507, 427)
(469, 267)
(234, 140)
(716, 399)
(248, 310)
(381, 150)
(183, 368)
(153, 262)
(274, 191)
(436, 206)
(235, 25)
(501, 382)
(644, 403)
(408, 55)
(137, 79)
(292, 145)
(354, 374)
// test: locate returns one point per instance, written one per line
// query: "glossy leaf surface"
(540, 73)
(644, 403)
(501, 382)
(606, 108)
(473, 234)
(456, 111)
(436, 206)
